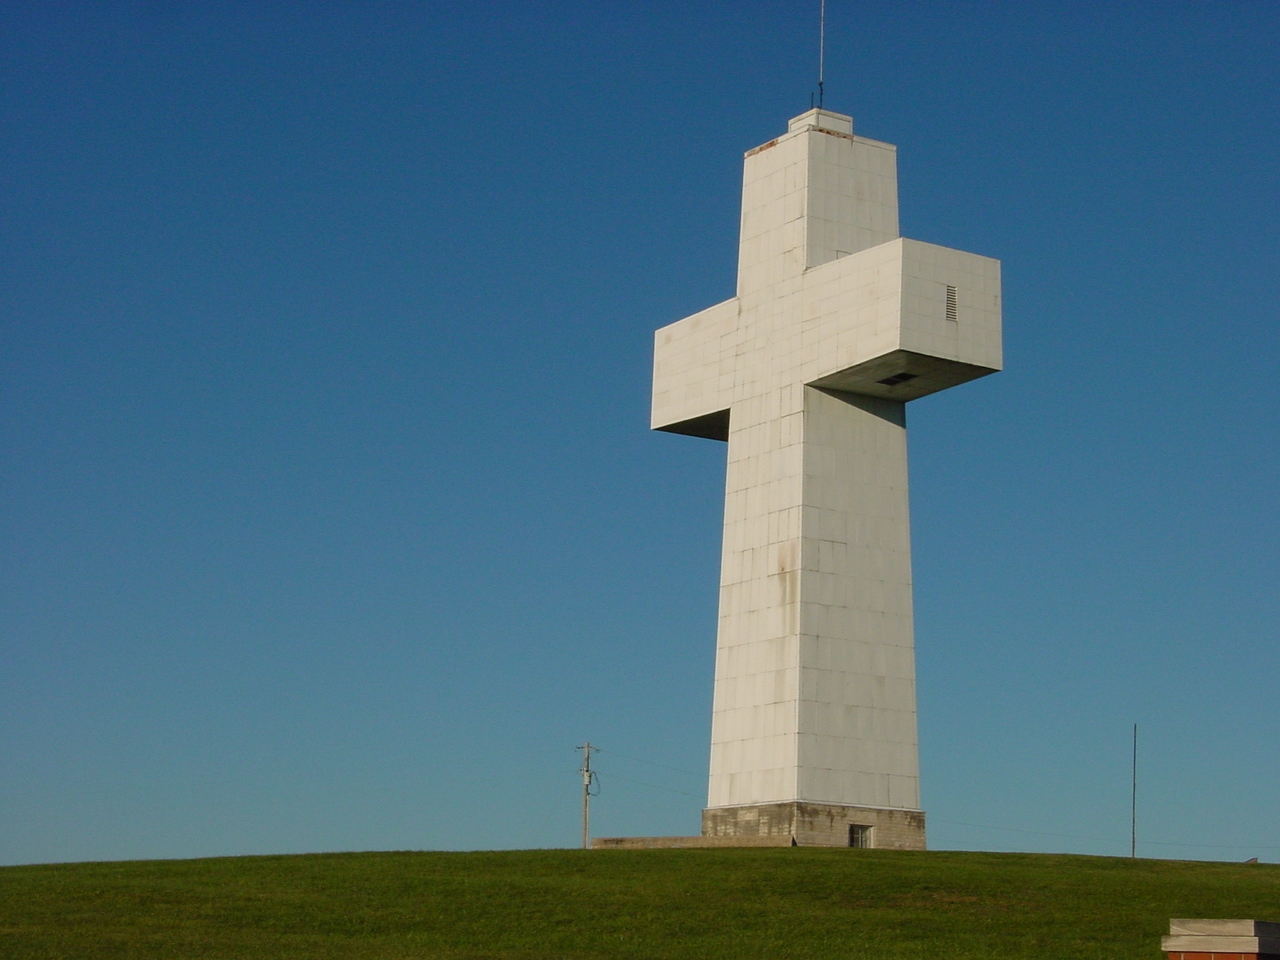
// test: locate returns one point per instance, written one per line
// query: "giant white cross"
(837, 323)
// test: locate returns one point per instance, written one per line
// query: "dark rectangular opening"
(897, 378)
(860, 836)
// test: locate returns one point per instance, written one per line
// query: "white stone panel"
(692, 375)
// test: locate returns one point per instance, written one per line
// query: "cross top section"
(815, 194)
(829, 294)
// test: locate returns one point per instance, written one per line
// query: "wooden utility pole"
(588, 778)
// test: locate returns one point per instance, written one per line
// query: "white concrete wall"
(814, 195)
(857, 704)
(815, 677)
(693, 375)
(975, 336)
(754, 712)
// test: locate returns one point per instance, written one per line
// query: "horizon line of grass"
(796, 903)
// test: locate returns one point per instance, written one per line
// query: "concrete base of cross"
(819, 824)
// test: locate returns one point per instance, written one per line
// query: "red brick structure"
(1222, 940)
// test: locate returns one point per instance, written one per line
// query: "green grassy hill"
(761, 903)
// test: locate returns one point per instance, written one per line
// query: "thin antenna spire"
(822, 48)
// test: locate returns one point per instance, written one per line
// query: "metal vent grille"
(951, 303)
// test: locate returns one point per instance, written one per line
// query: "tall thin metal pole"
(1133, 802)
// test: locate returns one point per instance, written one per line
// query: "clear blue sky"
(330, 517)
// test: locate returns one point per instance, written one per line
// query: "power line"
(683, 793)
(664, 766)
(1038, 833)
(1076, 836)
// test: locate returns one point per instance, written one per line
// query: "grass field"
(750, 903)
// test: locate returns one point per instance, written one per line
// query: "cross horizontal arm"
(897, 321)
(693, 375)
